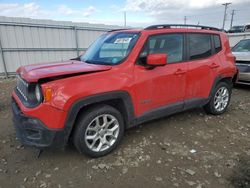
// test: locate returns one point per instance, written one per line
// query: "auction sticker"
(122, 40)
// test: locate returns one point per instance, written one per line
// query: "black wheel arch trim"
(95, 99)
(217, 80)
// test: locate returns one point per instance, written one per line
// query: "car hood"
(33, 73)
(242, 56)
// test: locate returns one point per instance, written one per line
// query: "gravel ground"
(190, 149)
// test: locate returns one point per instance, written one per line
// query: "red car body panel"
(50, 116)
(148, 89)
(163, 88)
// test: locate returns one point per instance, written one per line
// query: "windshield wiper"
(88, 61)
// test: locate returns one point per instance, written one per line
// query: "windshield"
(242, 46)
(110, 48)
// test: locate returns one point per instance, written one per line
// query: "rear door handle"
(214, 66)
(180, 71)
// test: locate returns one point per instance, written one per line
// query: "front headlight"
(38, 93)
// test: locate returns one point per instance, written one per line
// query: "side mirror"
(157, 59)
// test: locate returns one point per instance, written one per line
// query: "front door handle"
(179, 71)
(214, 66)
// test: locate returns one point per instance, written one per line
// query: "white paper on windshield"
(122, 40)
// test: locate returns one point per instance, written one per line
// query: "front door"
(164, 85)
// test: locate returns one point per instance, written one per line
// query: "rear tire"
(98, 131)
(219, 99)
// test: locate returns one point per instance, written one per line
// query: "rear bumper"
(244, 74)
(32, 132)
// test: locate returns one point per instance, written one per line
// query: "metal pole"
(185, 20)
(225, 13)
(232, 18)
(76, 39)
(125, 19)
(4, 65)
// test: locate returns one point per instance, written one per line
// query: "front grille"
(22, 88)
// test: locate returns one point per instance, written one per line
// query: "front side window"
(247, 28)
(199, 46)
(110, 48)
(242, 46)
(170, 44)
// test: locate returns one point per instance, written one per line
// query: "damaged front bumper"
(32, 132)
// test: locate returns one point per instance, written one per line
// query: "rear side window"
(199, 46)
(217, 43)
(170, 44)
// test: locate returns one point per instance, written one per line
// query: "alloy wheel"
(102, 132)
(221, 99)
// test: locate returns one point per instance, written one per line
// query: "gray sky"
(140, 13)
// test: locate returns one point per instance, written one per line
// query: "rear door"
(202, 67)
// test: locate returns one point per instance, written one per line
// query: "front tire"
(98, 131)
(220, 99)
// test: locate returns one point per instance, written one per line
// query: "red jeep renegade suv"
(125, 78)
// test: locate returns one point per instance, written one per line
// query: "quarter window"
(199, 46)
(217, 43)
(170, 44)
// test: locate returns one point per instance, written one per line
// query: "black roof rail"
(169, 26)
(121, 29)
